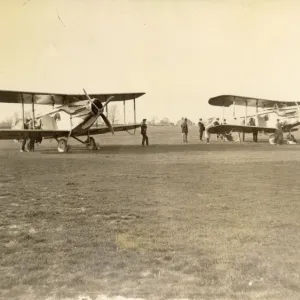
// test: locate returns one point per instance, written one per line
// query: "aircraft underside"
(236, 136)
(63, 146)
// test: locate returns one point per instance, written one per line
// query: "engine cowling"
(95, 106)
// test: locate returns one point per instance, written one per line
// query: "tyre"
(272, 139)
(62, 146)
(91, 144)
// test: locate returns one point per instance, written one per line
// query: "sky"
(179, 52)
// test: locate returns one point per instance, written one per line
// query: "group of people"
(278, 136)
(30, 142)
(27, 144)
(278, 139)
(202, 129)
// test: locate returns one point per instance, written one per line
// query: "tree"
(165, 121)
(10, 121)
(15, 118)
(153, 120)
(189, 122)
(113, 114)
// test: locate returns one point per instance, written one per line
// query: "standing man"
(217, 123)
(184, 130)
(278, 134)
(30, 145)
(255, 131)
(243, 123)
(24, 140)
(201, 129)
(144, 133)
(255, 135)
(207, 133)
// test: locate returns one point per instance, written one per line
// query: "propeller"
(87, 95)
(108, 124)
(107, 101)
(100, 113)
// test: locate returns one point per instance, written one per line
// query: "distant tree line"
(166, 122)
(7, 123)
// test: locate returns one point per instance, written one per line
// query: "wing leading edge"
(246, 129)
(228, 100)
(12, 134)
(59, 99)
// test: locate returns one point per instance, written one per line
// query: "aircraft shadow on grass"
(169, 148)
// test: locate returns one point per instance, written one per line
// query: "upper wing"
(227, 100)
(247, 129)
(59, 99)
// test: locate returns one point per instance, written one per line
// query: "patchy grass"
(217, 221)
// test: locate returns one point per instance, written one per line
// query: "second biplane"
(83, 110)
(267, 112)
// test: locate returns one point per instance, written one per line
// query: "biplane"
(267, 112)
(83, 110)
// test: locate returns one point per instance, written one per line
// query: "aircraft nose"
(96, 106)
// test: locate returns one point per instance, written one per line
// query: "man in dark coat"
(184, 130)
(144, 133)
(201, 129)
(255, 131)
(216, 123)
(25, 140)
(278, 134)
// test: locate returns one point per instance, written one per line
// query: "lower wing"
(246, 129)
(102, 130)
(17, 134)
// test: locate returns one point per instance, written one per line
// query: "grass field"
(172, 220)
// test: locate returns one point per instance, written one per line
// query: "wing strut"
(134, 109)
(234, 107)
(223, 112)
(71, 128)
(124, 111)
(23, 112)
(33, 117)
(246, 111)
(106, 108)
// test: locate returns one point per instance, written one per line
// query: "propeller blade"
(87, 95)
(108, 100)
(106, 121)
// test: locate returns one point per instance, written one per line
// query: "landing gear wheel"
(235, 136)
(272, 139)
(91, 144)
(62, 146)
